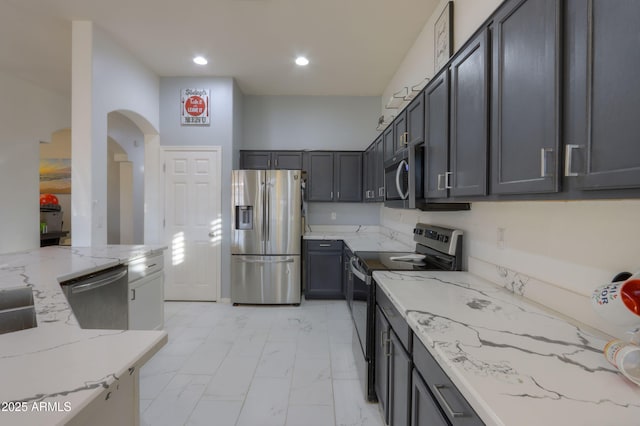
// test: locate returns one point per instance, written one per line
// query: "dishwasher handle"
(99, 282)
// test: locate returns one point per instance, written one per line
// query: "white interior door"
(192, 222)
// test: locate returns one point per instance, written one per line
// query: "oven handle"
(357, 272)
(403, 195)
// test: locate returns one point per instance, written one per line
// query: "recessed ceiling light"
(200, 60)
(302, 61)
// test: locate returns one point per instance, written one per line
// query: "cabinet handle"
(406, 138)
(276, 162)
(332, 195)
(440, 187)
(568, 159)
(381, 191)
(543, 161)
(133, 294)
(447, 180)
(338, 195)
(325, 245)
(268, 163)
(444, 402)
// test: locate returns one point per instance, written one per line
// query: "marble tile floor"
(255, 366)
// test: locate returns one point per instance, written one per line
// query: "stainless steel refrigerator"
(266, 233)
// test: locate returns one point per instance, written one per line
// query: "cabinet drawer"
(396, 320)
(333, 245)
(453, 404)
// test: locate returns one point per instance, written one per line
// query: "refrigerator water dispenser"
(244, 217)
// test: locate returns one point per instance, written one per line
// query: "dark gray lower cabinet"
(382, 363)
(424, 410)
(525, 130)
(399, 383)
(438, 387)
(602, 90)
(323, 269)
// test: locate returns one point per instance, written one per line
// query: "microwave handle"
(403, 195)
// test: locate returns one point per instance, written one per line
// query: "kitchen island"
(515, 362)
(58, 373)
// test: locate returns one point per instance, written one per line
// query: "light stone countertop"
(57, 361)
(515, 362)
(360, 238)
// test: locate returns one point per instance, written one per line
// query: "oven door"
(360, 299)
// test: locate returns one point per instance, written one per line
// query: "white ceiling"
(354, 46)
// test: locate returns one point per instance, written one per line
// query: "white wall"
(219, 133)
(418, 63)
(28, 114)
(125, 132)
(574, 246)
(106, 78)
(311, 123)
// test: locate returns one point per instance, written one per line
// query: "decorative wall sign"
(443, 36)
(195, 107)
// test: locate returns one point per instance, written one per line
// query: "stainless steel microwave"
(403, 178)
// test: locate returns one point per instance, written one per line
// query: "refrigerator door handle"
(267, 212)
(249, 260)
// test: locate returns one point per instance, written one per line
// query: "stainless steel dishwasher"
(99, 300)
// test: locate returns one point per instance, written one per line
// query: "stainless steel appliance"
(437, 248)
(403, 178)
(266, 233)
(99, 300)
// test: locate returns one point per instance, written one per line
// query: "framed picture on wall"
(443, 37)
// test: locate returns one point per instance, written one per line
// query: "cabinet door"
(255, 160)
(287, 160)
(368, 160)
(602, 92)
(436, 158)
(146, 303)
(320, 177)
(347, 276)
(525, 101)
(382, 363)
(415, 120)
(399, 384)
(469, 139)
(348, 176)
(379, 169)
(389, 143)
(400, 131)
(424, 410)
(323, 270)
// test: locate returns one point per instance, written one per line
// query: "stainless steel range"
(437, 248)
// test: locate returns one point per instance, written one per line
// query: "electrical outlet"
(333, 215)
(500, 239)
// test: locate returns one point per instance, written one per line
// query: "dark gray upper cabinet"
(255, 160)
(389, 143)
(287, 160)
(415, 120)
(334, 176)
(368, 159)
(436, 157)
(525, 130)
(320, 175)
(400, 135)
(602, 94)
(379, 168)
(469, 137)
(264, 160)
(348, 176)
